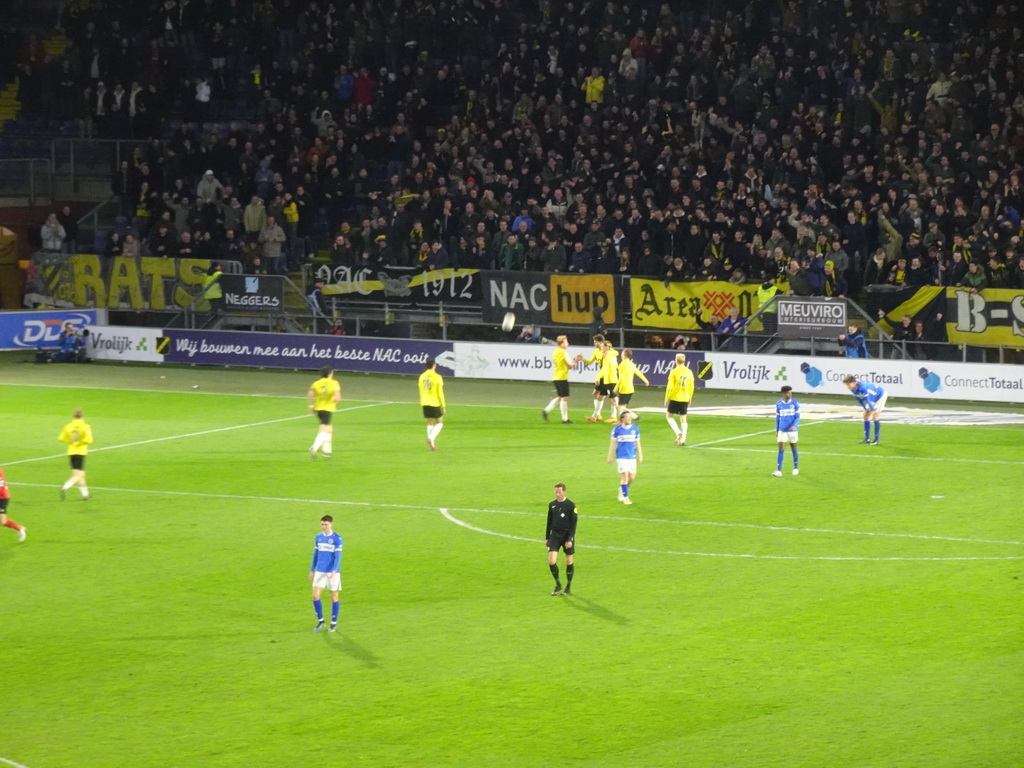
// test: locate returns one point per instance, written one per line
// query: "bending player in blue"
(787, 420)
(325, 572)
(625, 446)
(872, 399)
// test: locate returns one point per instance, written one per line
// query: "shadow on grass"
(348, 645)
(589, 606)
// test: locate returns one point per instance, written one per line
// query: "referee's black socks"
(568, 574)
(554, 571)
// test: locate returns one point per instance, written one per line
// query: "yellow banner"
(678, 305)
(8, 247)
(146, 282)
(991, 318)
(577, 299)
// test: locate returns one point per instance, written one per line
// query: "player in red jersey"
(5, 497)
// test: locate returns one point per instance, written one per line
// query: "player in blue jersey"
(625, 448)
(325, 572)
(872, 399)
(787, 420)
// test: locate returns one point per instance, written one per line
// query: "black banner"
(253, 293)
(402, 285)
(526, 294)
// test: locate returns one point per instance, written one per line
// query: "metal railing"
(26, 177)
(76, 158)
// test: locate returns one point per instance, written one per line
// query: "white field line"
(872, 453)
(166, 391)
(738, 555)
(257, 394)
(751, 434)
(613, 518)
(5, 761)
(190, 434)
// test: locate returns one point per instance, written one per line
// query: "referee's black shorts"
(556, 541)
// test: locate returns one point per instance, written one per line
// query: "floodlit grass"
(727, 618)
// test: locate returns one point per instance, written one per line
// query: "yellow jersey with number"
(431, 389)
(77, 434)
(323, 394)
(680, 385)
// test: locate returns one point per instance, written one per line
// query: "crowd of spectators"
(828, 144)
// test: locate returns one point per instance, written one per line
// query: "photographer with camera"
(70, 345)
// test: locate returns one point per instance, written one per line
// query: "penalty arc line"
(743, 556)
(192, 434)
(11, 763)
(382, 505)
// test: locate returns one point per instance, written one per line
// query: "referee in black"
(560, 534)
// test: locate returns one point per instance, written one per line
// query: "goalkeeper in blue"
(325, 572)
(787, 420)
(872, 399)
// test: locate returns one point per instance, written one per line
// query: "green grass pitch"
(865, 613)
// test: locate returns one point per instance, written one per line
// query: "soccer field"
(865, 613)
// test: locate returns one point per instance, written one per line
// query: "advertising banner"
(802, 317)
(678, 305)
(276, 350)
(253, 293)
(900, 378)
(29, 330)
(123, 282)
(762, 374)
(402, 285)
(534, 362)
(116, 342)
(550, 298)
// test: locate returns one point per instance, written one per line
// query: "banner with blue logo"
(931, 379)
(40, 328)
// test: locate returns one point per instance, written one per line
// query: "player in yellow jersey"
(323, 397)
(432, 399)
(627, 370)
(610, 380)
(678, 394)
(595, 357)
(78, 436)
(561, 364)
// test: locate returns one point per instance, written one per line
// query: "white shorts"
(786, 437)
(329, 581)
(625, 465)
(880, 403)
